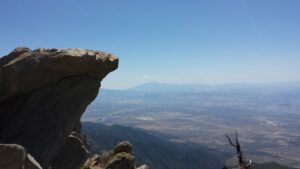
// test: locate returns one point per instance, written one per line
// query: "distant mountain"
(165, 87)
(152, 148)
(195, 88)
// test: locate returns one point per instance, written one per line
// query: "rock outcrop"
(123, 146)
(120, 158)
(43, 94)
(16, 157)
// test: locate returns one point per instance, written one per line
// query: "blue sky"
(173, 41)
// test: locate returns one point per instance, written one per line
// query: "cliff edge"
(43, 94)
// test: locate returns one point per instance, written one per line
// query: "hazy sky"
(174, 41)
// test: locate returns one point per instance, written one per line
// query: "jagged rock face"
(43, 94)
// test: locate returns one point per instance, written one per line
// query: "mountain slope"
(270, 166)
(151, 148)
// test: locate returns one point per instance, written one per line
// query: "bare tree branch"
(230, 142)
(239, 153)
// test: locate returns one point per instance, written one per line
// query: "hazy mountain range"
(195, 88)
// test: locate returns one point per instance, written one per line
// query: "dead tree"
(237, 146)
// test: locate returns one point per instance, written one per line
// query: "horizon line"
(204, 84)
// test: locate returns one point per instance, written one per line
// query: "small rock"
(14, 156)
(123, 146)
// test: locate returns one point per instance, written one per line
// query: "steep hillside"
(270, 166)
(151, 148)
